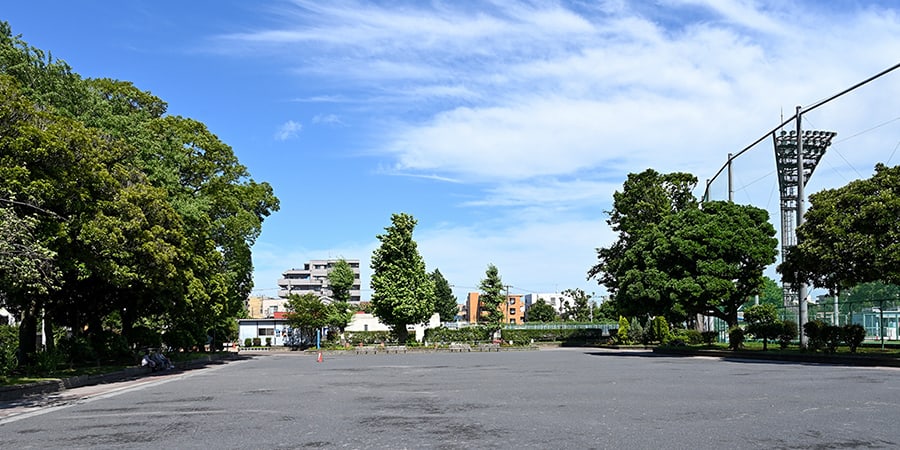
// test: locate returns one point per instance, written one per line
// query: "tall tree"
(403, 293)
(444, 301)
(699, 262)
(645, 200)
(492, 298)
(340, 281)
(580, 310)
(851, 235)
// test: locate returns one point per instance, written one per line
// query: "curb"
(19, 391)
(815, 358)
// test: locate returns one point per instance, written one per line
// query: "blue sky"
(503, 127)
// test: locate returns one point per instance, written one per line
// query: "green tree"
(580, 310)
(762, 322)
(492, 298)
(444, 301)
(700, 261)
(644, 201)
(540, 311)
(403, 293)
(339, 315)
(340, 281)
(307, 312)
(850, 235)
(606, 312)
(770, 293)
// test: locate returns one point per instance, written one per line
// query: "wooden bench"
(489, 347)
(460, 348)
(395, 349)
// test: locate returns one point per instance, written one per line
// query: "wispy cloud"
(288, 130)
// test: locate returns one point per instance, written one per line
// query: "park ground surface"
(551, 398)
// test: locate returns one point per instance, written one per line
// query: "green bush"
(567, 336)
(248, 342)
(367, 337)
(686, 336)
(447, 335)
(787, 334)
(853, 335)
(832, 336)
(658, 330)
(736, 338)
(268, 342)
(77, 349)
(46, 362)
(708, 337)
(623, 336)
(257, 342)
(9, 344)
(815, 334)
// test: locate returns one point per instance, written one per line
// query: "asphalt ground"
(559, 398)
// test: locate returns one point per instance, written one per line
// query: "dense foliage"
(541, 311)
(838, 249)
(340, 281)
(444, 300)
(403, 292)
(117, 218)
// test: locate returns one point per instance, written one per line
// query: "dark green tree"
(699, 261)
(492, 298)
(540, 311)
(444, 301)
(644, 201)
(762, 322)
(307, 312)
(340, 281)
(850, 235)
(403, 293)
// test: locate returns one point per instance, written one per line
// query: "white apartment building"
(313, 278)
(558, 301)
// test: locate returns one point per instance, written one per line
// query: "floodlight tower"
(796, 156)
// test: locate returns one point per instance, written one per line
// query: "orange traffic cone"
(319, 359)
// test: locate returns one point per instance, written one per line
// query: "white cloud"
(288, 130)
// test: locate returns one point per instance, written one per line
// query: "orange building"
(513, 309)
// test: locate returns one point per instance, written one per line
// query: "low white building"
(278, 331)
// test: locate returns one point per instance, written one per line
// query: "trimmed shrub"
(248, 342)
(853, 335)
(832, 337)
(658, 330)
(623, 336)
(815, 334)
(636, 332)
(447, 335)
(736, 338)
(787, 333)
(708, 337)
(257, 342)
(570, 336)
(367, 337)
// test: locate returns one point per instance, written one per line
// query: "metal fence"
(880, 318)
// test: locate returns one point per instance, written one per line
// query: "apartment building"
(313, 278)
(513, 308)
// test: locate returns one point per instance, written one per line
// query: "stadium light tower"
(796, 156)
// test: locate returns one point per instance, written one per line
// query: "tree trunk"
(402, 333)
(27, 335)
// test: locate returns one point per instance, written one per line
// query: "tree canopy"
(850, 235)
(340, 280)
(540, 311)
(444, 300)
(403, 292)
(135, 220)
(676, 260)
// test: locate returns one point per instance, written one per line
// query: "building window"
(512, 320)
(512, 301)
(267, 332)
(512, 311)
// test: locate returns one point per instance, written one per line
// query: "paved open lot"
(561, 398)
